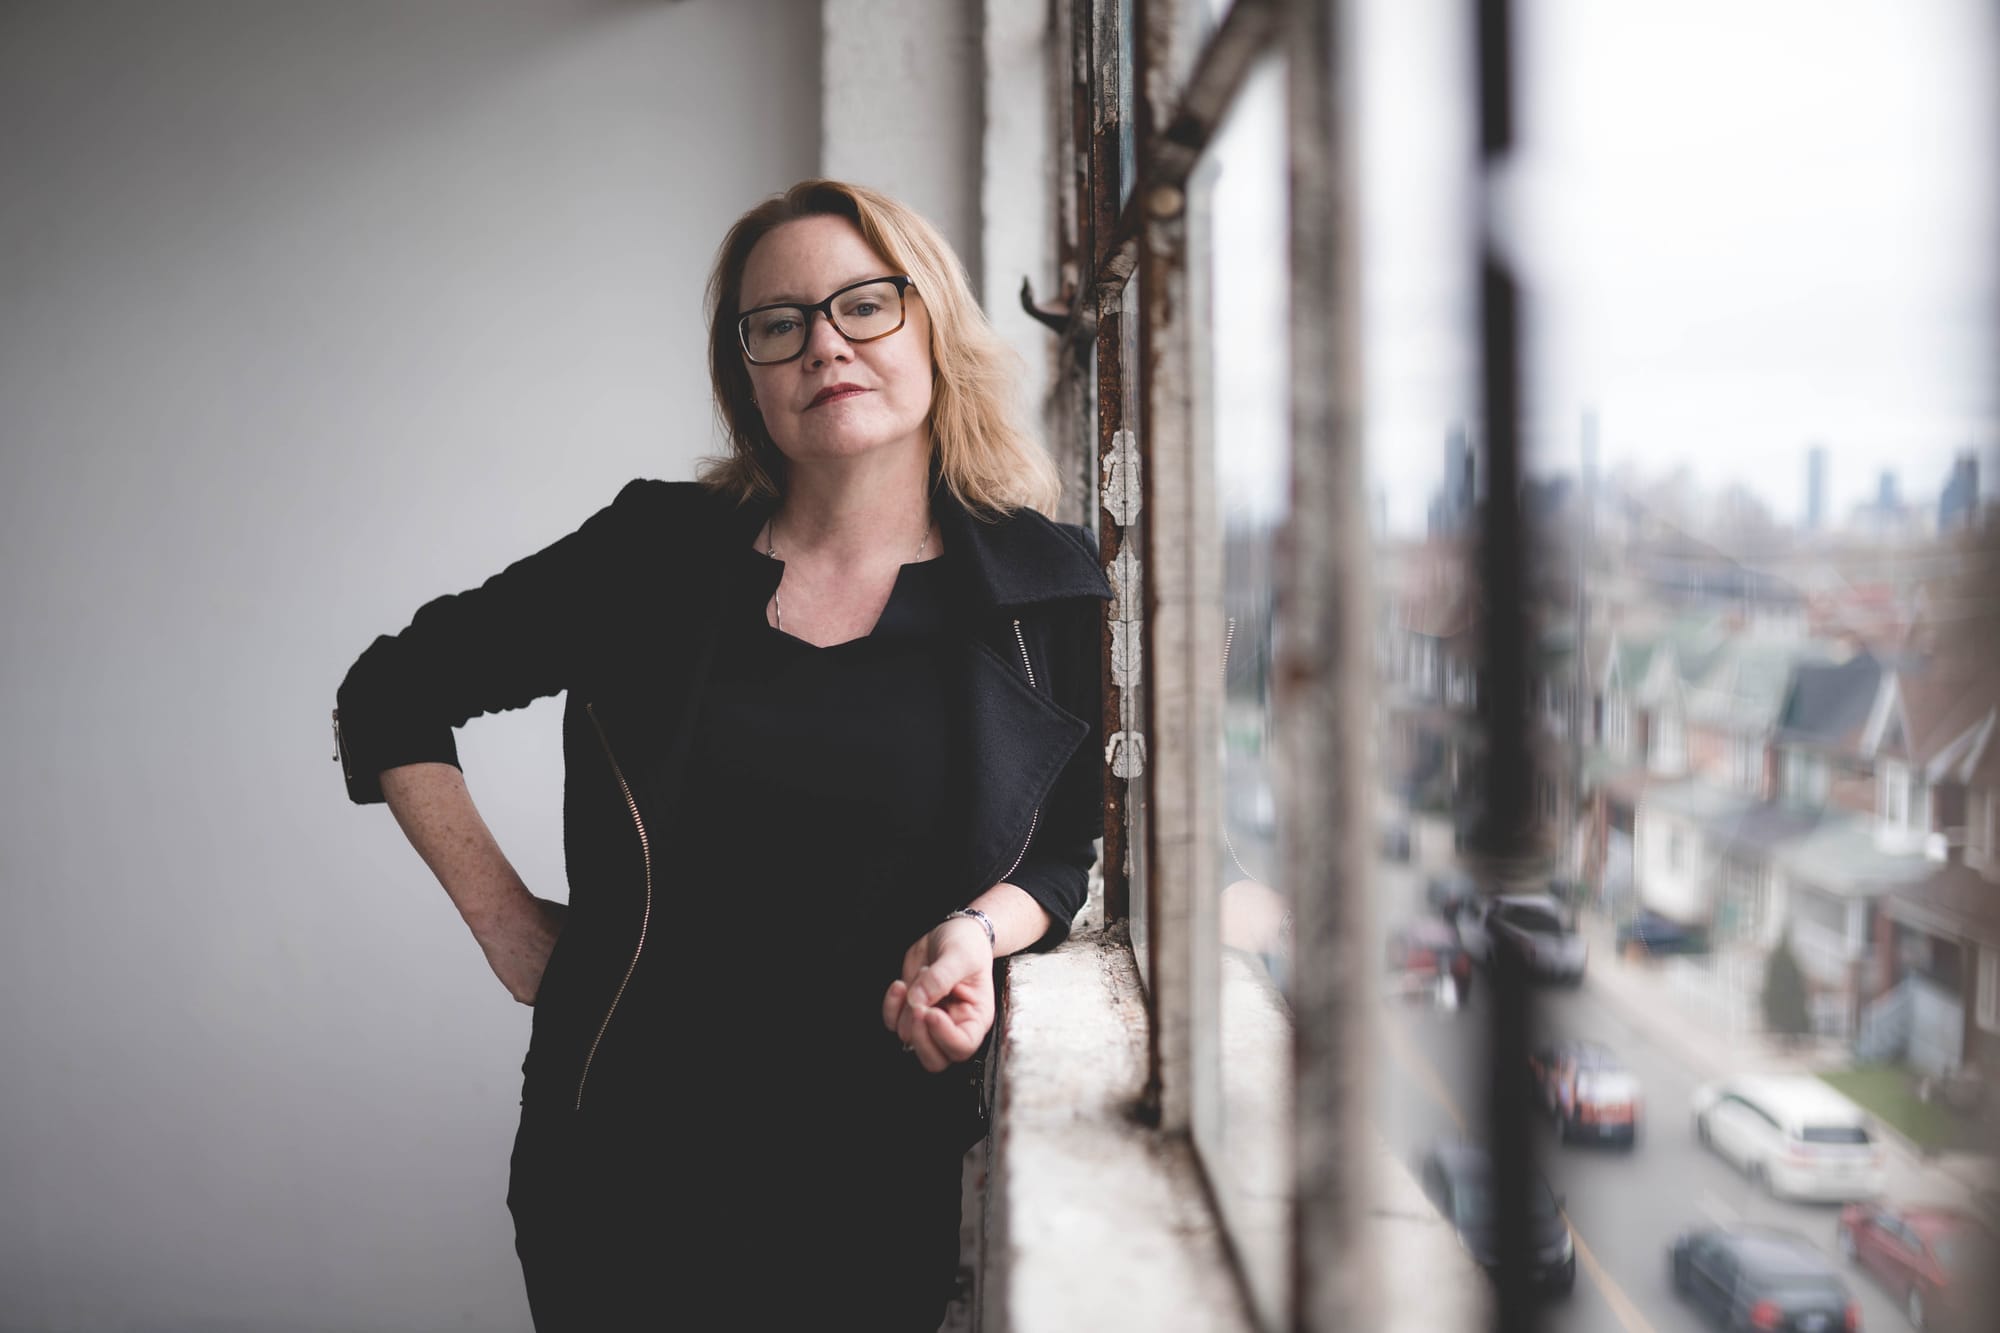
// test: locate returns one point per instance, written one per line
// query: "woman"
(829, 749)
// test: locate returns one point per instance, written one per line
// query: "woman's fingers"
(892, 1003)
(913, 1028)
(958, 1035)
(942, 1006)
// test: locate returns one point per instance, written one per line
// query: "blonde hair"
(985, 457)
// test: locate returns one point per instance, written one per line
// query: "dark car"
(1654, 935)
(1926, 1256)
(1588, 1090)
(1761, 1278)
(1458, 1178)
(1421, 954)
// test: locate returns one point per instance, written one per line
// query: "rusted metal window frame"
(1102, 246)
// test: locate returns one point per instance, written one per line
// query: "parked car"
(1792, 1134)
(1761, 1278)
(1588, 1090)
(1927, 1256)
(1422, 954)
(1658, 936)
(1532, 926)
(1458, 1178)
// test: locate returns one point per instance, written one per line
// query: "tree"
(1787, 1010)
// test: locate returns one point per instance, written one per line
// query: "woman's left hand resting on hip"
(941, 1008)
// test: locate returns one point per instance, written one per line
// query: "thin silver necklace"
(771, 550)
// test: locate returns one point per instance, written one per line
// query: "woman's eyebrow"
(793, 298)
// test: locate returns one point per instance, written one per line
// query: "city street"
(1625, 1208)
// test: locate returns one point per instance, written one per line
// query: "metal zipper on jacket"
(645, 916)
(1036, 818)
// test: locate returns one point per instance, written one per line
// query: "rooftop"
(1839, 856)
(1953, 898)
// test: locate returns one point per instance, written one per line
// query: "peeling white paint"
(1128, 575)
(1122, 495)
(1127, 653)
(1125, 752)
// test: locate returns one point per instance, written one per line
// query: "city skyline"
(1725, 280)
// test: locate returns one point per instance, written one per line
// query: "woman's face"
(885, 397)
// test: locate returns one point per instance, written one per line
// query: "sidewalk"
(1655, 995)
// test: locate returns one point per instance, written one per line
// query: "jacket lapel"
(1020, 740)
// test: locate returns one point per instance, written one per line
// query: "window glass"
(1834, 1134)
(1758, 331)
(1238, 293)
(1127, 94)
(1761, 428)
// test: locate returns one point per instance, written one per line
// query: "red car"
(1588, 1091)
(1424, 952)
(1927, 1255)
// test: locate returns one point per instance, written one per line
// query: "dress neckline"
(917, 605)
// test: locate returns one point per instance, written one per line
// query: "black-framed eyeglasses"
(859, 312)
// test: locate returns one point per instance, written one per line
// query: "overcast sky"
(1743, 225)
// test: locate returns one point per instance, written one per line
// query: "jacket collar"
(1017, 560)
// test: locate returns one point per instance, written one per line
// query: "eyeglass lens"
(860, 313)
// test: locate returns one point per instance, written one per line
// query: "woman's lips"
(834, 397)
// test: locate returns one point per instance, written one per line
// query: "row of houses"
(1753, 777)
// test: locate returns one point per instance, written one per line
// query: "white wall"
(312, 311)
(1681, 894)
(902, 109)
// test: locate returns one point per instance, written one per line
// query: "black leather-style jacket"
(621, 615)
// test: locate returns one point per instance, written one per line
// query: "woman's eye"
(864, 308)
(776, 327)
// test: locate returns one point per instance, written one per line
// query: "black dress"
(805, 1171)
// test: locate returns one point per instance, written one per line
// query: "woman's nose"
(823, 341)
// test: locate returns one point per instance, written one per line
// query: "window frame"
(1986, 1007)
(1127, 257)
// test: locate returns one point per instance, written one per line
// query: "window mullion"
(1182, 637)
(1323, 682)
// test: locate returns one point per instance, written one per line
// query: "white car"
(1792, 1134)
(1531, 925)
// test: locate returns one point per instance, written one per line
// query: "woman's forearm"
(1018, 920)
(436, 813)
(515, 929)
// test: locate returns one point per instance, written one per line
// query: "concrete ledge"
(1094, 1221)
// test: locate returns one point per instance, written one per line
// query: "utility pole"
(1579, 710)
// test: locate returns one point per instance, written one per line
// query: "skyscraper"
(1451, 507)
(1816, 488)
(1959, 505)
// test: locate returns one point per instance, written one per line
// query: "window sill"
(1094, 1220)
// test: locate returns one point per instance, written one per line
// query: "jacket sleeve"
(504, 644)
(1055, 872)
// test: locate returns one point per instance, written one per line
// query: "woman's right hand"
(518, 943)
